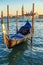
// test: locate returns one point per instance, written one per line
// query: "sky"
(15, 5)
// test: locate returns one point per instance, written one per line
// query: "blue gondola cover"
(22, 31)
(16, 36)
(25, 29)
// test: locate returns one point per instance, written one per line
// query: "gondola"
(23, 34)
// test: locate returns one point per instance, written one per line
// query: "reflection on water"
(17, 55)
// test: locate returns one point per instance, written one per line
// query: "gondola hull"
(10, 43)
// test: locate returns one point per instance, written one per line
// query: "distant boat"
(24, 33)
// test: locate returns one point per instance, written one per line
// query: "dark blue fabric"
(16, 36)
(26, 26)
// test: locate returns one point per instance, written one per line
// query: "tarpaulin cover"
(16, 36)
(25, 29)
(27, 24)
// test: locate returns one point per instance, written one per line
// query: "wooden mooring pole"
(1, 17)
(33, 19)
(32, 23)
(2, 22)
(16, 21)
(3, 27)
(8, 20)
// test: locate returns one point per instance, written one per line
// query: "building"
(40, 16)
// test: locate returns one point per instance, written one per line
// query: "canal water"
(23, 54)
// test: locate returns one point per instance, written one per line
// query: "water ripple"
(23, 54)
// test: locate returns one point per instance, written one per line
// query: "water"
(23, 54)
